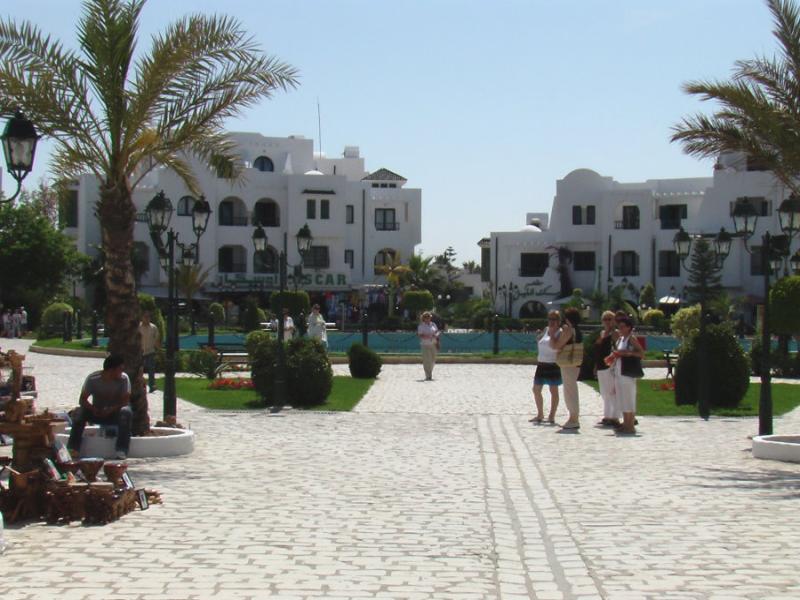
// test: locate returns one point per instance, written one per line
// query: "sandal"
(536, 420)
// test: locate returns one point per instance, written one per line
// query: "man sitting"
(110, 390)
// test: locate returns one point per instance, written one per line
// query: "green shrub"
(685, 323)
(148, 304)
(217, 313)
(296, 302)
(655, 318)
(727, 367)
(415, 301)
(253, 316)
(784, 298)
(392, 323)
(52, 323)
(364, 362)
(783, 365)
(202, 363)
(309, 376)
(181, 360)
(253, 339)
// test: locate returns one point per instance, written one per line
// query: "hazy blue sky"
(483, 105)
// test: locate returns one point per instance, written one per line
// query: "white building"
(358, 220)
(619, 232)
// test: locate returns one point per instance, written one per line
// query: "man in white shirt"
(151, 341)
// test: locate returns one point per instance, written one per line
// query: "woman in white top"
(428, 335)
(288, 326)
(547, 371)
(316, 326)
(627, 364)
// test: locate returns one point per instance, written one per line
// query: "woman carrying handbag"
(569, 344)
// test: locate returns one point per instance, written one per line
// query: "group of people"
(618, 363)
(15, 322)
(316, 327)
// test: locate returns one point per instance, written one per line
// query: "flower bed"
(231, 383)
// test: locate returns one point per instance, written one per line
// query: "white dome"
(313, 172)
(532, 229)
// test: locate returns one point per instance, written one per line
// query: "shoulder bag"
(571, 355)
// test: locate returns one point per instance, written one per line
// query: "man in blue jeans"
(110, 390)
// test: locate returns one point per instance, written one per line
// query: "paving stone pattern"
(434, 490)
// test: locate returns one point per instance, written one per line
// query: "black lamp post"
(721, 247)
(510, 292)
(19, 147)
(304, 241)
(159, 213)
(774, 250)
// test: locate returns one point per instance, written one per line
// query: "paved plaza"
(434, 490)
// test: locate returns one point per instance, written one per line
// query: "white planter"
(166, 442)
(777, 447)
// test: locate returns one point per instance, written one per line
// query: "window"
(486, 266)
(577, 213)
(626, 263)
(185, 206)
(583, 261)
(266, 261)
(263, 163)
(383, 258)
(226, 213)
(317, 258)
(140, 259)
(762, 206)
(349, 214)
(324, 209)
(349, 258)
(630, 218)
(669, 265)
(311, 209)
(384, 220)
(670, 215)
(533, 264)
(266, 214)
(590, 214)
(231, 259)
(756, 260)
(232, 212)
(68, 209)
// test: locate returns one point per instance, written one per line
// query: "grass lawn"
(346, 393)
(84, 344)
(651, 400)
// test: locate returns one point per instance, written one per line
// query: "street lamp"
(774, 250)
(304, 242)
(510, 292)
(720, 246)
(159, 214)
(19, 147)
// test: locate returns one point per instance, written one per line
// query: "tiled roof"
(384, 175)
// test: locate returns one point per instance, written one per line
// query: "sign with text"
(269, 281)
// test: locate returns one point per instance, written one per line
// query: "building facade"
(358, 221)
(610, 233)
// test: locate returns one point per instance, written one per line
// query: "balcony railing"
(234, 221)
(387, 226)
(627, 224)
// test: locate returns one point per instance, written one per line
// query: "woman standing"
(316, 326)
(428, 335)
(603, 346)
(568, 334)
(628, 354)
(548, 372)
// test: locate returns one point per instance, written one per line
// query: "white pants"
(626, 393)
(608, 392)
(569, 375)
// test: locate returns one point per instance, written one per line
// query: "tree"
(395, 271)
(704, 274)
(119, 120)
(759, 106)
(471, 267)
(647, 297)
(190, 279)
(41, 257)
(445, 260)
(423, 275)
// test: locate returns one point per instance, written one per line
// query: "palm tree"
(189, 280)
(423, 274)
(119, 119)
(759, 107)
(394, 271)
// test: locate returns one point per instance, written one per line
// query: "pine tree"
(704, 273)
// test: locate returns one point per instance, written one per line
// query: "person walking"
(288, 326)
(548, 373)
(627, 360)
(23, 321)
(316, 326)
(110, 390)
(428, 335)
(569, 334)
(151, 341)
(603, 346)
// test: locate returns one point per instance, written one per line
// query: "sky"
(481, 105)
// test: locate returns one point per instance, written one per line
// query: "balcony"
(393, 226)
(627, 224)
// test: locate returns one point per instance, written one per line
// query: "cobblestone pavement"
(435, 489)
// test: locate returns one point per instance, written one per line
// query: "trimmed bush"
(727, 366)
(309, 377)
(253, 339)
(217, 313)
(202, 363)
(415, 301)
(686, 323)
(364, 363)
(253, 316)
(53, 320)
(655, 318)
(296, 302)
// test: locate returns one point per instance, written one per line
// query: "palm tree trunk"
(117, 217)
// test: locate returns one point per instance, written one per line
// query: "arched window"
(232, 211)
(266, 213)
(232, 259)
(384, 257)
(266, 261)
(185, 206)
(263, 163)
